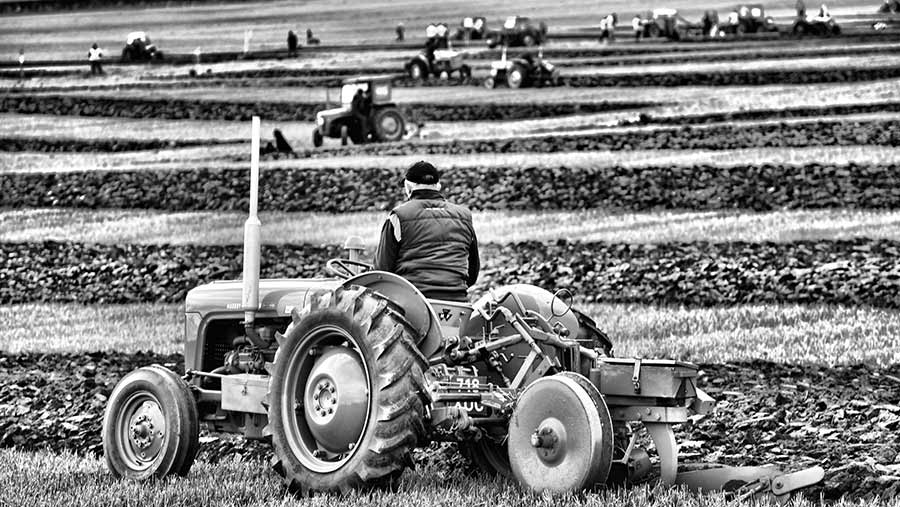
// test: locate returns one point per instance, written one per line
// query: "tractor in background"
(444, 64)
(376, 118)
(518, 31)
(524, 70)
(345, 375)
(668, 23)
(821, 25)
(138, 48)
(471, 28)
(748, 18)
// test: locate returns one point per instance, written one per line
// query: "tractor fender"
(418, 312)
(419, 58)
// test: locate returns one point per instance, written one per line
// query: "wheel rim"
(416, 71)
(515, 78)
(326, 413)
(141, 430)
(389, 125)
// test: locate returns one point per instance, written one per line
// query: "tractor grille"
(214, 354)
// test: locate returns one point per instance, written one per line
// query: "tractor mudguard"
(418, 311)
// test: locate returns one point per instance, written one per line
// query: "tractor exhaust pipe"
(250, 296)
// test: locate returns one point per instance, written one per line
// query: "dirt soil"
(843, 418)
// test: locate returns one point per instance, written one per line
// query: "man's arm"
(388, 245)
(474, 261)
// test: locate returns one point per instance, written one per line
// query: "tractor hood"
(330, 113)
(278, 296)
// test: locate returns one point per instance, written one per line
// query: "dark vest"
(435, 237)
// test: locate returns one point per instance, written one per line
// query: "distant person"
(310, 40)
(95, 55)
(611, 20)
(292, 43)
(823, 12)
(400, 32)
(638, 26)
(22, 63)
(359, 111)
(429, 241)
(801, 9)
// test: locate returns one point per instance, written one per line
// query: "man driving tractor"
(429, 241)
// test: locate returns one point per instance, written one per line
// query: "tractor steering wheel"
(341, 268)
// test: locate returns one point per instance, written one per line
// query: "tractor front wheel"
(516, 76)
(317, 138)
(389, 124)
(346, 396)
(345, 135)
(151, 427)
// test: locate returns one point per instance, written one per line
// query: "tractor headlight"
(320, 120)
(493, 72)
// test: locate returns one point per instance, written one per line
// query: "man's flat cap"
(423, 173)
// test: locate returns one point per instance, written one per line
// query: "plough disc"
(560, 436)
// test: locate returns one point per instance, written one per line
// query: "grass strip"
(501, 227)
(816, 334)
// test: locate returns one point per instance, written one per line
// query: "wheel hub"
(146, 429)
(336, 399)
(549, 441)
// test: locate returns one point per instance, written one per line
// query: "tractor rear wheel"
(516, 76)
(389, 124)
(346, 396)
(528, 40)
(417, 71)
(151, 427)
(560, 435)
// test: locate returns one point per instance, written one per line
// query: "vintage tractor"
(517, 31)
(374, 118)
(471, 28)
(822, 25)
(138, 48)
(523, 70)
(346, 375)
(446, 62)
(749, 18)
(668, 23)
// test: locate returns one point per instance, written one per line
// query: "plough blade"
(747, 482)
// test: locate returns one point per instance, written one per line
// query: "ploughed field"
(732, 204)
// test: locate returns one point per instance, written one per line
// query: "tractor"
(138, 48)
(374, 118)
(471, 28)
(517, 31)
(668, 23)
(523, 70)
(822, 25)
(749, 18)
(346, 375)
(445, 63)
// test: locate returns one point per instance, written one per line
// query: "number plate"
(467, 384)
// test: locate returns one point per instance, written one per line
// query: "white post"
(252, 234)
